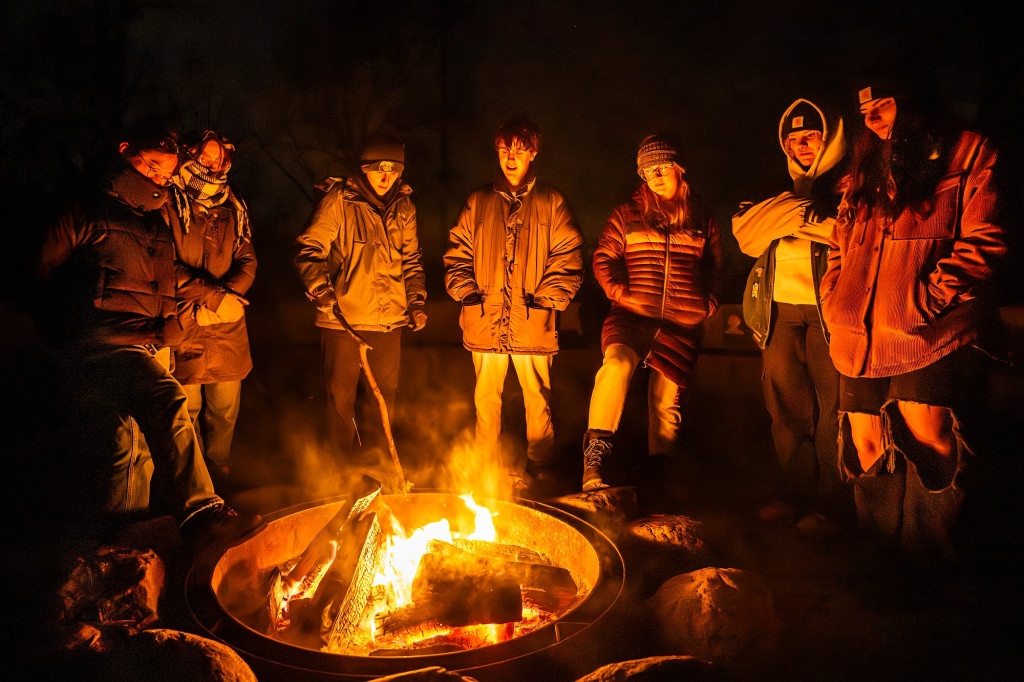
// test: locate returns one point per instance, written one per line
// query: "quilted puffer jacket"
(663, 272)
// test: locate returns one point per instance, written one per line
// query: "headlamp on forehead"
(383, 167)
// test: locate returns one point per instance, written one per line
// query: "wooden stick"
(365, 364)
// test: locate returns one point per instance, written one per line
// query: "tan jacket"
(525, 272)
(368, 253)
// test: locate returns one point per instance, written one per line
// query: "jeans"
(214, 412)
(534, 372)
(611, 386)
(125, 393)
(801, 392)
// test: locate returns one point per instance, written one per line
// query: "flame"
(404, 552)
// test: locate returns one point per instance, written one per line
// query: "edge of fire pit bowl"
(273, 659)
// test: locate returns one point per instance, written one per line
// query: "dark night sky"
(298, 84)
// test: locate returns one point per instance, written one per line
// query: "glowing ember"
(429, 590)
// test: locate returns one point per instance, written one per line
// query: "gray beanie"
(655, 150)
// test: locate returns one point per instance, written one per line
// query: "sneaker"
(520, 481)
(220, 524)
(596, 447)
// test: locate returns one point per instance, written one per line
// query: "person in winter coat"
(658, 260)
(514, 260)
(216, 265)
(109, 261)
(905, 298)
(790, 235)
(360, 262)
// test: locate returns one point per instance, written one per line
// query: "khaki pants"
(609, 399)
(534, 372)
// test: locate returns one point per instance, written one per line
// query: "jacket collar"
(136, 190)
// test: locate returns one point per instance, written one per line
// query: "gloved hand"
(531, 302)
(324, 299)
(231, 308)
(417, 318)
(475, 298)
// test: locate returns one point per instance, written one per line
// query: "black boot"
(597, 447)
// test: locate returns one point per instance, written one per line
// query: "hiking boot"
(220, 524)
(597, 446)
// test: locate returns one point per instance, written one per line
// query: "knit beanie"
(802, 117)
(878, 90)
(655, 150)
(383, 152)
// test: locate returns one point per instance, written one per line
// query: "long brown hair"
(901, 172)
(672, 211)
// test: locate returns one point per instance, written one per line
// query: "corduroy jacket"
(525, 272)
(900, 294)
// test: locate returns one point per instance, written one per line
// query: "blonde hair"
(672, 211)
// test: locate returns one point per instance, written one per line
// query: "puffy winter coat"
(901, 294)
(212, 260)
(111, 257)
(526, 270)
(367, 252)
(667, 276)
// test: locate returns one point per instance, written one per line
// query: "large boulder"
(171, 656)
(655, 669)
(725, 615)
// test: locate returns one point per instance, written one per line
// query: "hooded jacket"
(212, 259)
(365, 250)
(111, 259)
(790, 232)
(526, 269)
(901, 293)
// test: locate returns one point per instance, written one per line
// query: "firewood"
(456, 592)
(353, 583)
(500, 550)
(318, 554)
(549, 588)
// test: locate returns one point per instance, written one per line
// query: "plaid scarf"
(194, 182)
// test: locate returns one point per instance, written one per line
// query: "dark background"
(298, 85)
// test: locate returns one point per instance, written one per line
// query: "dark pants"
(115, 384)
(343, 375)
(801, 392)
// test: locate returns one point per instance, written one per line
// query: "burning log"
(499, 550)
(543, 586)
(319, 554)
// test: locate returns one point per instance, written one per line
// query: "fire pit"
(228, 594)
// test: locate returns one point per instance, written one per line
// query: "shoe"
(519, 480)
(596, 447)
(220, 524)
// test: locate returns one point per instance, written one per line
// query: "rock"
(432, 674)
(655, 669)
(725, 615)
(667, 532)
(109, 595)
(171, 655)
(609, 508)
(662, 545)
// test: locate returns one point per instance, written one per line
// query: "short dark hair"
(522, 129)
(150, 132)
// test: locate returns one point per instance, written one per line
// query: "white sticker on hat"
(865, 95)
(798, 122)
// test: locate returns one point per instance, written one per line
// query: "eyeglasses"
(155, 172)
(656, 172)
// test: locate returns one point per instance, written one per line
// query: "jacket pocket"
(478, 322)
(938, 219)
